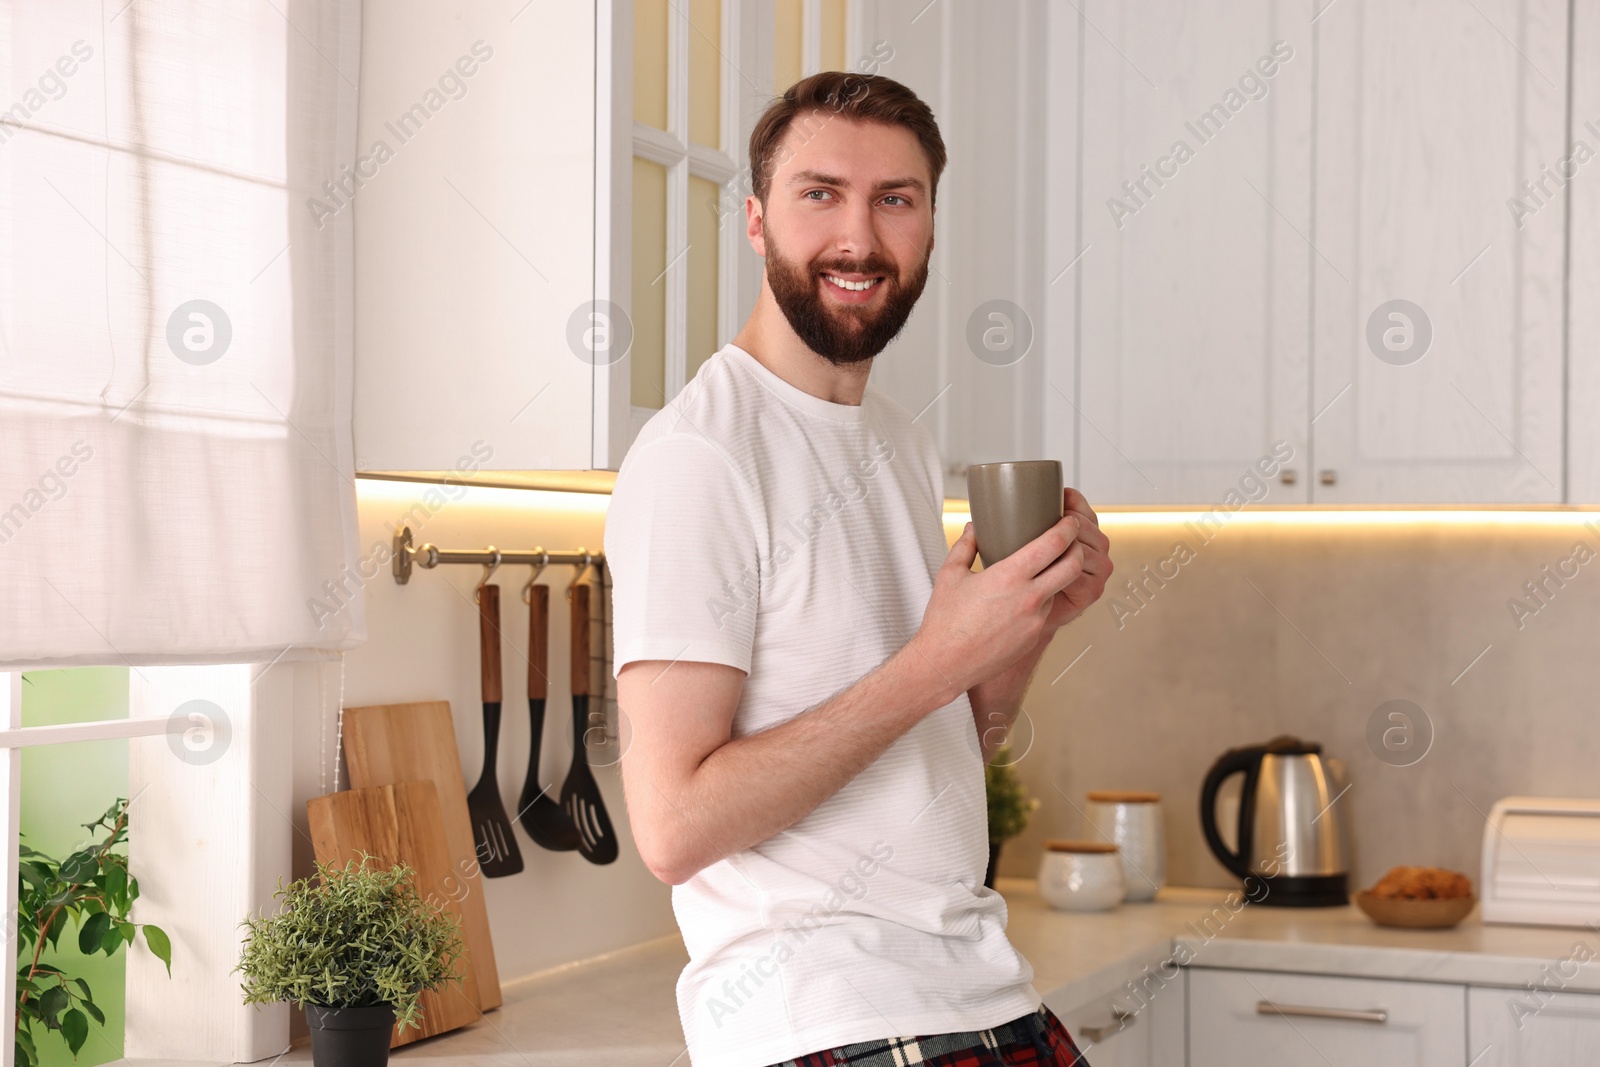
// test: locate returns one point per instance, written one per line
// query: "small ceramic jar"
(1081, 875)
(1132, 822)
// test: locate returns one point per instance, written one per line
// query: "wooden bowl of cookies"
(1418, 898)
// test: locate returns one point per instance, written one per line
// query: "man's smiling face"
(846, 231)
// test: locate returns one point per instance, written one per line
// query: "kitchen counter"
(1344, 941)
(1076, 956)
(619, 1010)
(625, 1003)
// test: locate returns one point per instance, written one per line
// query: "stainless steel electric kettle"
(1291, 852)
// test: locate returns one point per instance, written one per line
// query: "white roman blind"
(176, 476)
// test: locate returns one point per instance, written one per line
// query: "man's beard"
(843, 333)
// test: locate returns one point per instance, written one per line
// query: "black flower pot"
(350, 1037)
(994, 861)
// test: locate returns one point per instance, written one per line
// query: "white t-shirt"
(796, 539)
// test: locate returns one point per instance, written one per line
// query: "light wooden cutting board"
(389, 743)
(399, 823)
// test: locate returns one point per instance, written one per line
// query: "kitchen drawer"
(1137, 1023)
(1518, 1028)
(1322, 1020)
(1111, 1032)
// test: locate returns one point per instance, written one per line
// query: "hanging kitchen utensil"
(498, 854)
(537, 810)
(580, 795)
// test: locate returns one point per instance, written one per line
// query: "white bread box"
(1541, 862)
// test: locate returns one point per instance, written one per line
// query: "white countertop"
(1077, 956)
(625, 1003)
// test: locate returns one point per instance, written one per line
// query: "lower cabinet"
(1137, 1024)
(1209, 1017)
(1290, 1020)
(1522, 1028)
(1111, 1033)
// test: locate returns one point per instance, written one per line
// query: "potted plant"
(1009, 805)
(356, 947)
(93, 887)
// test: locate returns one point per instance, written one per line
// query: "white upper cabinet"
(553, 241)
(1583, 279)
(1191, 283)
(1299, 253)
(1300, 237)
(475, 236)
(1440, 242)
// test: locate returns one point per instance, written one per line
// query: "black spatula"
(537, 810)
(580, 795)
(498, 854)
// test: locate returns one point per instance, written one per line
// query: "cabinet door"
(1516, 1028)
(544, 266)
(1195, 201)
(1136, 1023)
(1111, 1033)
(1583, 233)
(474, 236)
(1438, 274)
(970, 361)
(1290, 1020)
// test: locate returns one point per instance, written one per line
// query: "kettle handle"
(1246, 761)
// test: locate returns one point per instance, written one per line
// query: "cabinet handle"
(1288, 476)
(1328, 477)
(1376, 1015)
(1121, 1020)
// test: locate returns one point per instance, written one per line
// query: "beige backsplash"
(1307, 629)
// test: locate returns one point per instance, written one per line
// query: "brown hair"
(862, 97)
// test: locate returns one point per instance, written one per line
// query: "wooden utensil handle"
(580, 640)
(539, 642)
(489, 641)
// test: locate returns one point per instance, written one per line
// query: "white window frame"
(235, 844)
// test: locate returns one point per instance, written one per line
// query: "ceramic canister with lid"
(1132, 822)
(1080, 875)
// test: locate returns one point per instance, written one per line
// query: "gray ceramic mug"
(1012, 503)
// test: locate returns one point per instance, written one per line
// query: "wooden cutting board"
(399, 823)
(389, 743)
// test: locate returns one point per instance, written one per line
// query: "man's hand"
(1076, 598)
(978, 624)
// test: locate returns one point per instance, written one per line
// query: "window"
(64, 785)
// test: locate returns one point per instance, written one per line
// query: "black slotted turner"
(492, 836)
(580, 794)
(537, 811)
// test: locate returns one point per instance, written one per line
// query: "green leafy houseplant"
(1009, 803)
(93, 887)
(351, 937)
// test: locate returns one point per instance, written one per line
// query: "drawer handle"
(1121, 1020)
(1376, 1015)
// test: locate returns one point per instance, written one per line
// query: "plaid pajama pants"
(1035, 1040)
